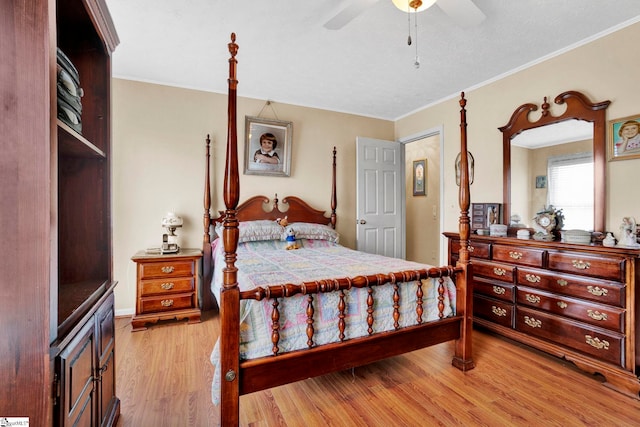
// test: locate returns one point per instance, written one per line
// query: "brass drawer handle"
(596, 315)
(470, 248)
(499, 290)
(581, 265)
(515, 255)
(166, 302)
(168, 269)
(597, 342)
(498, 311)
(534, 323)
(499, 271)
(532, 278)
(597, 291)
(562, 304)
(562, 282)
(167, 286)
(533, 299)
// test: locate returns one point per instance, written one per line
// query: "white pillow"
(253, 231)
(308, 230)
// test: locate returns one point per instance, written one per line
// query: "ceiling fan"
(463, 12)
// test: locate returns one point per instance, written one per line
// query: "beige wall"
(158, 152)
(603, 69)
(159, 131)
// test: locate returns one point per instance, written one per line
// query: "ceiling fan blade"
(464, 12)
(346, 15)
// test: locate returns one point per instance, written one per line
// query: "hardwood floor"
(164, 379)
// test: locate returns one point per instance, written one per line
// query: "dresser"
(576, 302)
(167, 287)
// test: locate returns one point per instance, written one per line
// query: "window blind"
(570, 188)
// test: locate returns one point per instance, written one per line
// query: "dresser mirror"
(578, 131)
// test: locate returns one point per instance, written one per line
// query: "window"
(570, 188)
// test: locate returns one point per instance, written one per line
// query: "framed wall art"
(541, 181)
(420, 177)
(624, 138)
(267, 146)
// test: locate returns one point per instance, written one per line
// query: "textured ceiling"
(286, 54)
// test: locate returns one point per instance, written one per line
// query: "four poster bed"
(330, 308)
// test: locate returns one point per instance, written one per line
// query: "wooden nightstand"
(167, 287)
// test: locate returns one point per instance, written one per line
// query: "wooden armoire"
(57, 346)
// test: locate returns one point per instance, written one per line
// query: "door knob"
(361, 221)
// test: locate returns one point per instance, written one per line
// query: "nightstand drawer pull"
(597, 291)
(532, 278)
(533, 299)
(596, 315)
(562, 282)
(499, 290)
(581, 265)
(167, 286)
(597, 342)
(168, 269)
(515, 255)
(534, 323)
(166, 302)
(498, 311)
(562, 304)
(499, 271)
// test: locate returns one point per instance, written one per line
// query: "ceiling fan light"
(405, 5)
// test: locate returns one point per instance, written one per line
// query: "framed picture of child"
(624, 138)
(267, 146)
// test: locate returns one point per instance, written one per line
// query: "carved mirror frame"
(578, 107)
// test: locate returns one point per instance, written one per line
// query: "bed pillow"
(254, 231)
(308, 230)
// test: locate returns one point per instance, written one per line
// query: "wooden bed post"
(207, 268)
(230, 294)
(462, 358)
(334, 199)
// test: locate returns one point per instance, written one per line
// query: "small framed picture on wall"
(420, 177)
(541, 181)
(624, 138)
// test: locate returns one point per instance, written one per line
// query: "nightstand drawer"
(177, 268)
(166, 286)
(166, 303)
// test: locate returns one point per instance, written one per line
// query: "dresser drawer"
(476, 249)
(498, 290)
(605, 292)
(164, 287)
(168, 268)
(588, 265)
(499, 312)
(600, 343)
(518, 255)
(502, 272)
(166, 303)
(596, 314)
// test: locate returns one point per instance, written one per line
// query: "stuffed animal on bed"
(290, 238)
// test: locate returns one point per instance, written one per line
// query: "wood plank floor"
(164, 379)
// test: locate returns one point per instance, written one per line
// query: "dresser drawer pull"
(562, 304)
(167, 286)
(532, 278)
(499, 290)
(597, 291)
(166, 302)
(562, 282)
(597, 342)
(168, 269)
(499, 271)
(498, 311)
(470, 248)
(596, 315)
(533, 299)
(534, 323)
(581, 265)
(515, 255)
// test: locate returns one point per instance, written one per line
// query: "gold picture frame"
(624, 138)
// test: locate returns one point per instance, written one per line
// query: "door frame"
(434, 131)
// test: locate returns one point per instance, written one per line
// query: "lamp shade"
(171, 220)
(409, 5)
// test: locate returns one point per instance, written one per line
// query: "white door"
(380, 195)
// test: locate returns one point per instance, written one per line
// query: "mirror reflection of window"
(570, 188)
